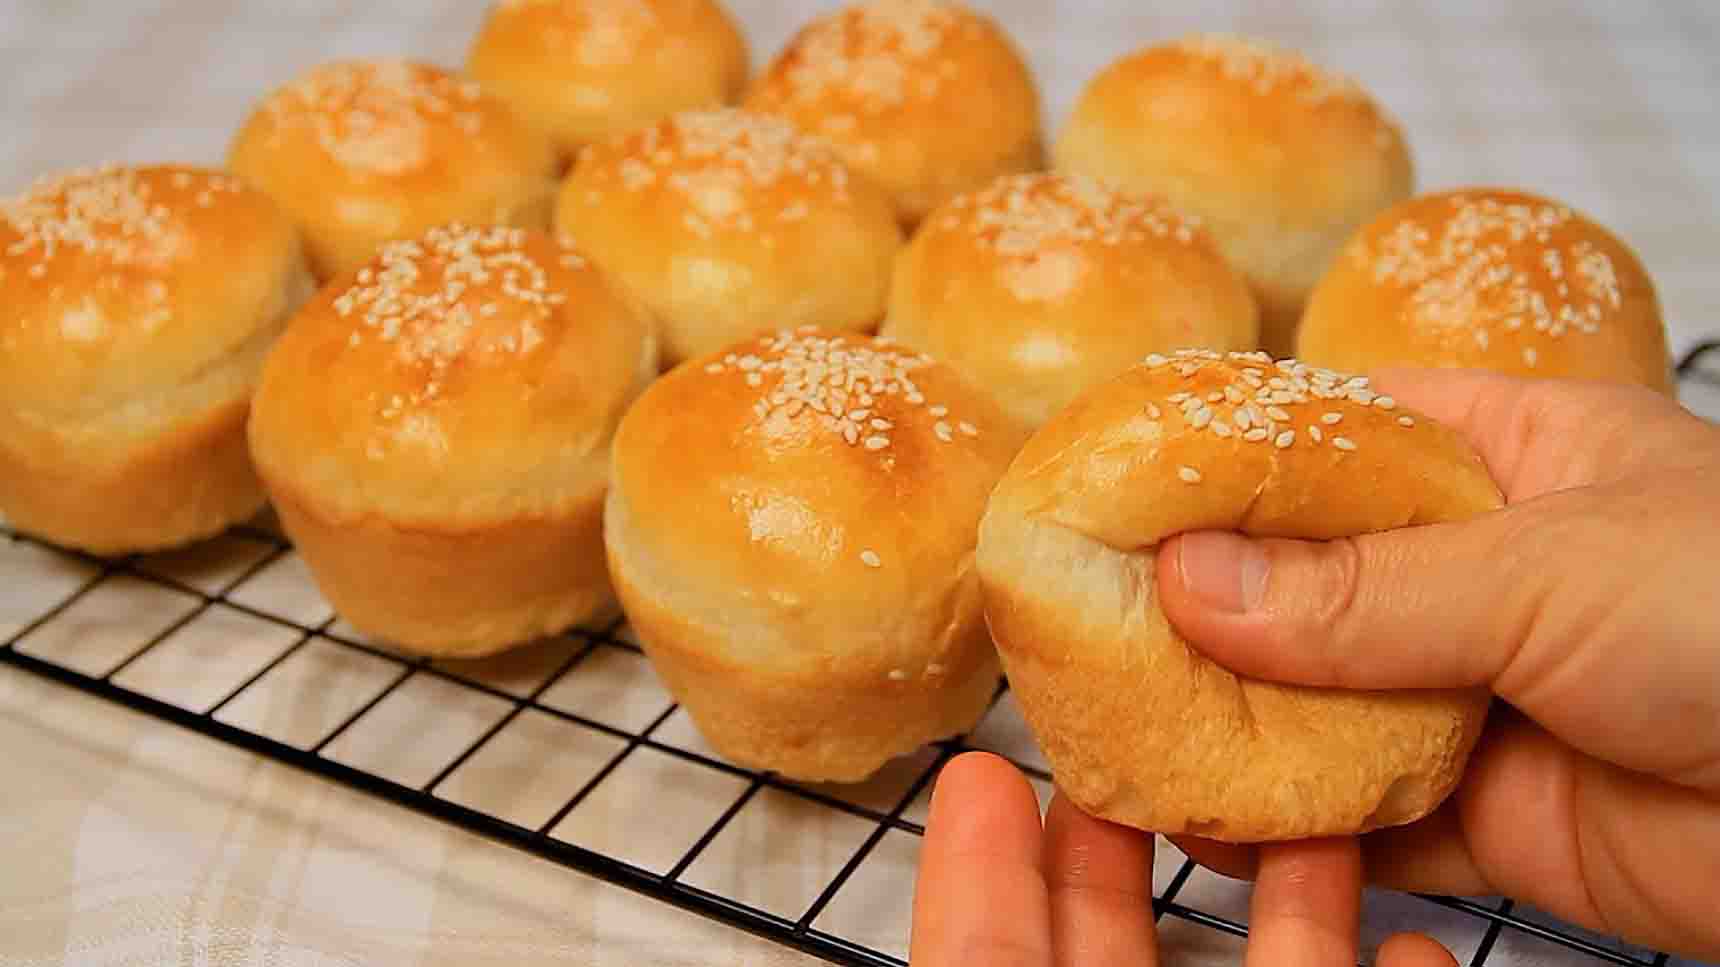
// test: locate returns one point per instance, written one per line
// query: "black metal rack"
(1490, 919)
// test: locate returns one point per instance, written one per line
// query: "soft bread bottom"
(130, 495)
(833, 713)
(1142, 730)
(456, 591)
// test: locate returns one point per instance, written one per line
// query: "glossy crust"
(1042, 285)
(726, 224)
(1281, 160)
(800, 572)
(927, 98)
(435, 429)
(1138, 727)
(580, 71)
(1489, 278)
(136, 306)
(363, 152)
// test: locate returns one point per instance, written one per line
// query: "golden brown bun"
(727, 224)
(580, 71)
(1280, 159)
(362, 152)
(1042, 285)
(1138, 727)
(928, 98)
(136, 306)
(434, 430)
(1492, 279)
(791, 530)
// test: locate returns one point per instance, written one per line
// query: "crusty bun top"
(1490, 278)
(1182, 440)
(830, 474)
(929, 98)
(471, 374)
(582, 70)
(1041, 285)
(728, 224)
(357, 149)
(119, 284)
(1282, 159)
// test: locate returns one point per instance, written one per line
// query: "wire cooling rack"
(568, 749)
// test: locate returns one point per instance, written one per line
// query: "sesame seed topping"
(1493, 264)
(867, 55)
(715, 162)
(1530, 356)
(375, 116)
(1265, 68)
(425, 296)
(840, 381)
(1153, 412)
(1188, 475)
(1044, 219)
(898, 675)
(1298, 397)
(111, 212)
(1405, 421)
(870, 558)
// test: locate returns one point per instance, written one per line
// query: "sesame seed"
(1275, 413)
(1343, 443)
(1283, 440)
(943, 432)
(938, 411)
(877, 442)
(1385, 403)
(933, 668)
(1332, 419)
(1264, 68)
(870, 558)
(1153, 412)
(1257, 434)
(1222, 429)
(713, 368)
(1201, 417)
(1188, 475)
(1314, 433)
(1530, 356)
(898, 675)
(967, 429)
(1405, 421)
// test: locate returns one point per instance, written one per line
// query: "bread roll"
(1042, 285)
(136, 306)
(1139, 728)
(1494, 279)
(580, 71)
(362, 152)
(434, 430)
(727, 224)
(1280, 159)
(791, 530)
(927, 98)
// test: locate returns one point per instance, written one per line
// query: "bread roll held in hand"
(791, 529)
(434, 430)
(1280, 159)
(727, 224)
(928, 98)
(1489, 278)
(1139, 728)
(136, 307)
(579, 71)
(363, 152)
(1041, 285)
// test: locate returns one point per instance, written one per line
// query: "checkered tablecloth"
(123, 841)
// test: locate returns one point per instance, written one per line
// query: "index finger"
(1307, 904)
(1538, 436)
(981, 896)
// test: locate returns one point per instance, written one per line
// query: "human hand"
(1590, 604)
(995, 889)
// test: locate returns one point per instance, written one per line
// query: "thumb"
(1440, 606)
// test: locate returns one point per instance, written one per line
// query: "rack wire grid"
(570, 750)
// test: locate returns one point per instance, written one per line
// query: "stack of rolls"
(595, 330)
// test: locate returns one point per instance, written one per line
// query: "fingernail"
(1225, 571)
